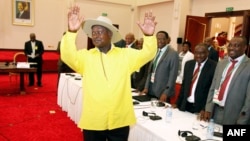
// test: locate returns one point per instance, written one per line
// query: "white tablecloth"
(70, 96)
(149, 130)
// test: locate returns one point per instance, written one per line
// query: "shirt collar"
(164, 48)
(239, 59)
(202, 63)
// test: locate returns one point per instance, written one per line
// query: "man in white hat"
(107, 109)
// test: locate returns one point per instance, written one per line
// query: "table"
(10, 67)
(148, 130)
(70, 96)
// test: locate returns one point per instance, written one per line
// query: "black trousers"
(38, 73)
(190, 107)
(118, 134)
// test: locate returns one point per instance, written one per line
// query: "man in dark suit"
(128, 42)
(193, 93)
(22, 13)
(229, 103)
(213, 54)
(163, 70)
(62, 67)
(139, 78)
(34, 49)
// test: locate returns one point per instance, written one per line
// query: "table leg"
(22, 88)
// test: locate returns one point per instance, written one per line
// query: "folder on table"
(142, 98)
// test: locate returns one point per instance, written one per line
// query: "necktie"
(156, 60)
(226, 80)
(195, 74)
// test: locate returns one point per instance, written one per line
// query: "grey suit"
(237, 105)
(165, 74)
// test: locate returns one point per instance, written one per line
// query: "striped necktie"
(226, 80)
(195, 75)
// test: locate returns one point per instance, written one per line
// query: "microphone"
(153, 117)
(147, 114)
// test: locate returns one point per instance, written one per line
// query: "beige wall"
(51, 15)
(49, 24)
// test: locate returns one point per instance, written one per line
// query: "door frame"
(245, 23)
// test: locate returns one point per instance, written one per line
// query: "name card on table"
(23, 65)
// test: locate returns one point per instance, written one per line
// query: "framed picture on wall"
(23, 12)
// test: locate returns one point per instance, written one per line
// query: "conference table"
(10, 67)
(70, 96)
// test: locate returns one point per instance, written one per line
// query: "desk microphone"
(153, 117)
(147, 114)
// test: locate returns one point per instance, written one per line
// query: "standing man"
(34, 49)
(139, 77)
(163, 70)
(128, 42)
(62, 67)
(228, 100)
(198, 76)
(213, 54)
(107, 109)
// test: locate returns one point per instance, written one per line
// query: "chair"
(177, 92)
(18, 57)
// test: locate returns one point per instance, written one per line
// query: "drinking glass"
(153, 103)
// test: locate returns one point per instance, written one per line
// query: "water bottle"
(169, 114)
(210, 129)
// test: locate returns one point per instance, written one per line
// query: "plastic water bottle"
(210, 129)
(169, 114)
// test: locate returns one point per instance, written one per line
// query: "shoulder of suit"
(210, 61)
(190, 61)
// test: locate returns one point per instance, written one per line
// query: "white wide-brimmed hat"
(103, 21)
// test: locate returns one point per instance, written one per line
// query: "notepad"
(23, 65)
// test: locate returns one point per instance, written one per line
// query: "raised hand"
(74, 19)
(148, 27)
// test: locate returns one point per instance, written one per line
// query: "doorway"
(197, 28)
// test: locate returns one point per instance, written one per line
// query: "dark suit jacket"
(139, 78)
(213, 54)
(165, 75)
(62, 67)
(122, 44)
(25, 15)
(202, 88)
(38, 51)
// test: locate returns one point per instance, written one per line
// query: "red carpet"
(34, 116)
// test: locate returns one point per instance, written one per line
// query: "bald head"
(32, 36)
(208, 41)
(129, 38)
